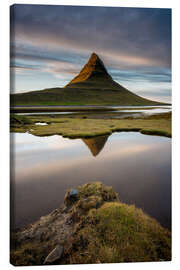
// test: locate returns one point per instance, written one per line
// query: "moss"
(97, 189)
(105, 231)
(117, 232)
(109, 231)
(30, 253)
(90, 202)
(90, 195)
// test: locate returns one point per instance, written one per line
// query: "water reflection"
(137, 166)
(96, 144)
(123, 112)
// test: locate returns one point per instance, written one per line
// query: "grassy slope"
(84, 128)
(79, 96)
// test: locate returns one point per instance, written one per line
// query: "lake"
(120, 112)
(137, 166)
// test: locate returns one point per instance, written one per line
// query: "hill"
(92, 86)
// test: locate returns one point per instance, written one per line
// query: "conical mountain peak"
(95, 63)
(93, 69)
(94, 55)
(94, 58)
(92, 86)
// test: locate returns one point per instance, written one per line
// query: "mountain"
(93, 73)
(92, 86)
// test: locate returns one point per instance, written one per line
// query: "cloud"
(140, 36)
(134, 43)
(59, 69)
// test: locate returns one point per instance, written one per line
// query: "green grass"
(86, 128)
(19, 120)
(80, 96)
(118, 232)
(20, 123)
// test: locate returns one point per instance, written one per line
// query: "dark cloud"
(134, 43)
(142, 32)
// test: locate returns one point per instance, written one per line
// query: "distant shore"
(75, 108)
(85, 126)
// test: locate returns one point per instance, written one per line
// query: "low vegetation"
(117, 232)
(85, 128)
(78, 96)
(102, 230)
(20, 123)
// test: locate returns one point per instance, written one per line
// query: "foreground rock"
(54, 255)
(70, 197)
(92, 226)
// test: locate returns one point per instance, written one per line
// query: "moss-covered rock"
(93, 227)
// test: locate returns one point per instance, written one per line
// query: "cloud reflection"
(137, 166)
(57, 155)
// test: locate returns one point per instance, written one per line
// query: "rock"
(54, 255)
(70, 197)
(73, 192)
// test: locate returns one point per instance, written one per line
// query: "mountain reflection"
(96, 144)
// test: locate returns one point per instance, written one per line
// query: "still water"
(126, 111)
(137, 166)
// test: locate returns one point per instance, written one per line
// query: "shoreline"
(76, 108)
(87, 126)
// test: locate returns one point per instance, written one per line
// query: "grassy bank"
(85, 128)
(101, 230)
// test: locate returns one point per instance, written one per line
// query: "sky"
(51, 44)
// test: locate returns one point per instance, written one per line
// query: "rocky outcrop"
(70, 197)
(52, 233)
(92, 226)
